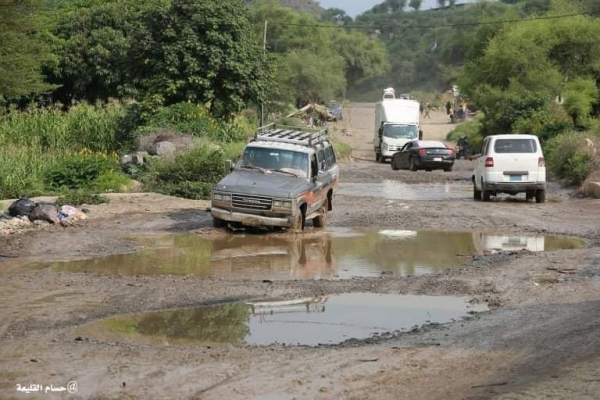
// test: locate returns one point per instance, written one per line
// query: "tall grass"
(33, 141)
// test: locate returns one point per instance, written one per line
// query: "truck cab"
(285, 177)
(396, 123)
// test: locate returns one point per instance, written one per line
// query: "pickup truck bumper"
(250, 219)
(519, 187)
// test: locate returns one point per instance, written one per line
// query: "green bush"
(21, 171)
(79, 197)
(568, 157)
(343, 151)
(190, 174)
(80, 170)
(472, 129)
(187, 190)
(195, 120)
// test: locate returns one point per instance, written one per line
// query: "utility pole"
(262, 105)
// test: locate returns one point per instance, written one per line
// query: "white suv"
(510, 164)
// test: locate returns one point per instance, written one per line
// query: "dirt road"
(540, 339)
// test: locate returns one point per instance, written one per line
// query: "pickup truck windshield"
(278, 160)
(401, 131)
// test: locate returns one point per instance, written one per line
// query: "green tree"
(415, 4)
(441, 3)
(307, 77)
(203, 51)
(340, 56)
(96, 53)
(22, 50)
(336, 15)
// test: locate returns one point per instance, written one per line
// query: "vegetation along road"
(538, 339)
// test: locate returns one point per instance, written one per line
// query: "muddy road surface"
(414, 291)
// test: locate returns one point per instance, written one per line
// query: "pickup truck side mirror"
(229, 165)
(321, 176)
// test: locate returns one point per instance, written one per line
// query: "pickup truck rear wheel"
(321, 220)
(219, 223)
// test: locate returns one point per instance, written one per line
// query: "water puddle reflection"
(311, 321)
(339, 253)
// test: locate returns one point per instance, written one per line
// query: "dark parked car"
(424, 154)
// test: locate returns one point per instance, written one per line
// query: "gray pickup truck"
(285, 177)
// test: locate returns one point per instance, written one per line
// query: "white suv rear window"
(512, 146)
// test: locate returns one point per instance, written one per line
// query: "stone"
(163, 149)
(140, 157)
(126, 159)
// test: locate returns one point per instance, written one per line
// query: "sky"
(355, 7)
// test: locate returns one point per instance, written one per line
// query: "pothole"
(337, 253)
(341, 253)
(311, 321)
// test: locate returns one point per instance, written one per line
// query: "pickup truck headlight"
(384, 147)
(282, 204)
(221, 197)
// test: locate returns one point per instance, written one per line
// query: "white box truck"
(396, 123)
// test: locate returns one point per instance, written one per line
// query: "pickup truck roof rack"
(288, 134)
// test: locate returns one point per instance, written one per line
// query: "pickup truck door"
(319, 192)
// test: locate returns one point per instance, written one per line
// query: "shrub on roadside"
(83, 170)
(191, 174)
(80, 197)
(472, 129)
(195, 120)
(569, 158)
(343, 151)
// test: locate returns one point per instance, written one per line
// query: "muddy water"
(337, 253)
(311, 321)
(395, 190)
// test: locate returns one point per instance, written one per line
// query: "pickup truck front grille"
(251, 202)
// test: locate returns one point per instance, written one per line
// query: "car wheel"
(476, 193)
(393, 164)
(321, 220)
(413, 167)
(540, 196)
(299, 221)
(529, 196)
(219, 223)
(448, 169)
(377, 157)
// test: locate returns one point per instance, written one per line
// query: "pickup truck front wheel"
(298, 221)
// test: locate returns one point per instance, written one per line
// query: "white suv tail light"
(489, 162)
(541, 162)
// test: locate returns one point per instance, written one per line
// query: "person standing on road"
(421, 107)
(427, 110)
(448, 107)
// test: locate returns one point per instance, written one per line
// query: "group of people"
(457, 111)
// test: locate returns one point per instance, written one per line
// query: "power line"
(408, 26)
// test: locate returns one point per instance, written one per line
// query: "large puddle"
(338, 253)
(311, 321)
(394, 190)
